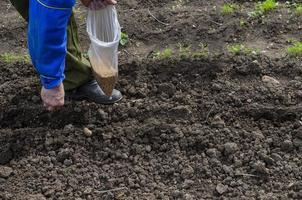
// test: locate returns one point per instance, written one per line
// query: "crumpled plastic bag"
(104, 32)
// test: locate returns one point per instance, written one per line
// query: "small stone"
(103, 114)
(260, 168)
(217, 122)
(270, 81)
(87, 191)
(5, 172)
(212, 153)
(69, 128)
(230, 148)
(217, 86)
(148, 148)
(287, 145)
(87, 132)
(221, 189)
(187, 172)
(68, 162)
(272, 84)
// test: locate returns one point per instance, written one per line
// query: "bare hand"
(99, 4)
(53, 99)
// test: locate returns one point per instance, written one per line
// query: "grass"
(264, 7)
(124, 39)
(295, 50)
(240, 49)
(242, 23)
(203, 52)
(298, 9)
(183, 52)
(267, 5)
(12, 58)
(164, 54)
(228, 8)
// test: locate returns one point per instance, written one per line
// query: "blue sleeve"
(47, 38)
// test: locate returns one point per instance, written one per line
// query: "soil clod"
(5, 172)
(220, 188)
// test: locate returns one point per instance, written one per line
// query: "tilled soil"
(222, 126)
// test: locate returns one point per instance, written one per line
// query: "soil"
(222, 126)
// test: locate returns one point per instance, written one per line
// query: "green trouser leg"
(77, 67)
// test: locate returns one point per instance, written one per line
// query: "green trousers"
(77, 67)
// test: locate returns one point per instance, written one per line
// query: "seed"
(87, 132)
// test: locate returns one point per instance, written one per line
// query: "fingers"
(52, 108)
(99, 4)
(110, 2)
(113, 2)
(53, 99)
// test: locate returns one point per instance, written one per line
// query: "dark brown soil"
(222, 126)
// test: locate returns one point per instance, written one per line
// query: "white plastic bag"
(104, 31)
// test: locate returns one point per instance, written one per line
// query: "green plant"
(228, 8)
(241, 49)
(236, 48)
(242, 23)
(165, 54)
(264, 7)
(124, 39)
(298, 9)
(203, 51)
(184, 51)
(295, 50)
(12, 58)
(267, 5)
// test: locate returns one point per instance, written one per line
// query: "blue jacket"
(47, 38)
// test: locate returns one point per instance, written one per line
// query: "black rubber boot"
(91, 91)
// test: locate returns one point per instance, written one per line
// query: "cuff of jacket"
(50, 82)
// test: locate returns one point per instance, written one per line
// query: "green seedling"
(12, 58)
(203, 52)
(264, 7)
(124, 39)
(267, 5)
(238, 49)
(295, 50)
(292, 41)
(228, 8)
(298, 9)
(165, 54)
(242, 23)
(185, 52)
